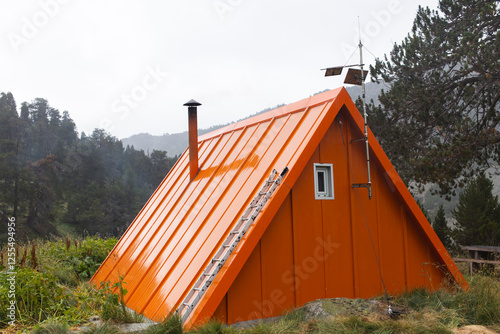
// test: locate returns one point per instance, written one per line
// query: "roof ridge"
(277, 112)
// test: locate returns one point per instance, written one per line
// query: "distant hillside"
(174, 143)
(372, 91)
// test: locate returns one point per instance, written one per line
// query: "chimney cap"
(192, 103)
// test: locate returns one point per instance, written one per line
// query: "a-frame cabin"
(313, 239)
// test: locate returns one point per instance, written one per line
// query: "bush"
(38, 296)
(75, 261)
(54, 290)
(114, 308)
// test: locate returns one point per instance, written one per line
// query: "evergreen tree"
(442, 229)
(424, 210)
(49, 175)
(161, 165)
(439, 119)
(8, 152)
(477, 214)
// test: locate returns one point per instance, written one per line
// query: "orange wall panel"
(244, 298)
(365, 232)
(309, 273)
(418, 256)
(220, 313)
(336, 219)
(278, 283)
(391, 236)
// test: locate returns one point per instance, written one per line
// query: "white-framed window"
(323, 181)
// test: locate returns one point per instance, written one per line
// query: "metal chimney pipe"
(193, 137)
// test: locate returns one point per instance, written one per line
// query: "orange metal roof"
(183, 224)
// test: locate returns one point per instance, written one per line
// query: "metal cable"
(349, 57)
(369, 51)
(364, 216)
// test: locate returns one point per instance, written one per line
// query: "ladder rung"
(186, 304)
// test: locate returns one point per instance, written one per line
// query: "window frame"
(328, 184)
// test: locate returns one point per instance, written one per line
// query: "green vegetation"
(170, 325)
(477, 214)
(438, 120)
(51, 328)
(54, 181)
(114, 308)
(479, 305)
(51, 282)
(442, 229)
(105, 328)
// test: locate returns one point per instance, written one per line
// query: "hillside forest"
(55, 181)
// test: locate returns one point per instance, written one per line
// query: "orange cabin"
(312, 238)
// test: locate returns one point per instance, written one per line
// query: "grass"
(170, 325)
(105, 328)
(480, 305)
(51, 328)
(441, 311)
(52, 282)
(54, 294)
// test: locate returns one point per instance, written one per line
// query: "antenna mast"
(357, 77)
(369, 184)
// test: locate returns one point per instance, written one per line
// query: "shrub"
(114, 308)
(74, 263)
(38, 296)
(54, 290)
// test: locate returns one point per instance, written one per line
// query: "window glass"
(323, 181)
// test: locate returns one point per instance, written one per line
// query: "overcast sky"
(128, 66)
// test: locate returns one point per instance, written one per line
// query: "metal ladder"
(229, 244)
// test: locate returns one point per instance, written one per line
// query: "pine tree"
(439, 120)
(477, 214)
(442, 229)
(424, 210)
